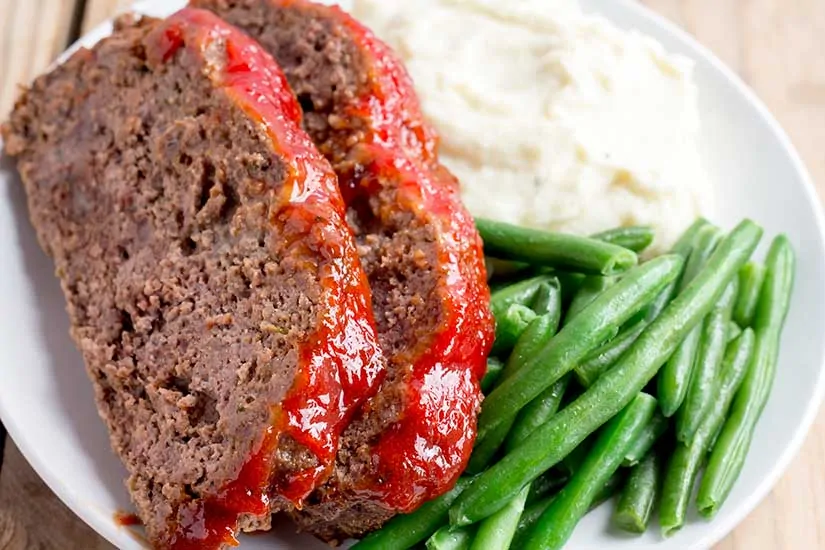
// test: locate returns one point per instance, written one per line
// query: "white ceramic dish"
(46, 400)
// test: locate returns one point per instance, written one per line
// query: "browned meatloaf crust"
(164, 201)
(411, 251)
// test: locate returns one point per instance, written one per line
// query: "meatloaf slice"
(213, 285)
(418, 245)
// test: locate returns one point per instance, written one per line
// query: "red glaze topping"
(422, 455)
(340, 364)
(125, 519)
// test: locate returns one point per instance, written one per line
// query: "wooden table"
(777, 46)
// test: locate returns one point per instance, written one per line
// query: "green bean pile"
(611, 375)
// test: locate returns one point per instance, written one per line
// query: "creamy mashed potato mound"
(551, 117)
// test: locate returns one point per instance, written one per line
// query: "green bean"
(534, 510)
(536, 413)
(485, 449)
(751, 277)
(575, 340)
(522, 292)
(406, 530)
(570, 283)
(706, 505)
(548, 302)
(642, 445)
(451, 538)
(715, 436)
(606, 355)
(497, 531)
(571, 463)
(556, 524)
(614, 389)
(675, 375)
(658, 305)
(502, 269)
(681, 475)
(510, 327)
(588, 291)
(494, 370)
(545, 484)
(734, 330)
(734, 440)
(495, 286)
(638, 498)
(542, 294)
(634, 237)
(547, 248)
(534, 338)
(529, 517)
(706, 369)
(682, 247)
(681, 472)
(610, 488)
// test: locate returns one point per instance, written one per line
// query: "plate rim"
(717, 529)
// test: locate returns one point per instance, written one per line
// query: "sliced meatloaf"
(213, 285)
(420, 250)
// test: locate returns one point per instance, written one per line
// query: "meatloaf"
(420, 250)
(213, 285)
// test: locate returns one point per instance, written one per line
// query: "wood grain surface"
(777, 46)
(33, 34)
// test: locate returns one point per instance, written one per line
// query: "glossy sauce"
(418, 458)
(340, 364)
(125, 519)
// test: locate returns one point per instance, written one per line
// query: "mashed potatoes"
(551, 117)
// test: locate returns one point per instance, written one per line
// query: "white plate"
(46, 400)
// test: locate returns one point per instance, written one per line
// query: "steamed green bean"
(407, 530)
(734, 440)
(614, 389)
(575, 340)
(547, 248)
(675, 374)
(557, 522)
(633, 237)
(648, 437)
(712, 344)
(687, 458)
(751, 277)
(638, 498)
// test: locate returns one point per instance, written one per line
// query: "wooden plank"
(33, 34)
(775, 45)
(715, 24)
(31, 517)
